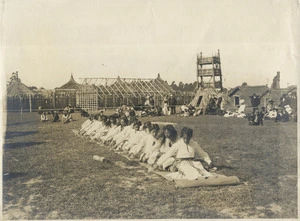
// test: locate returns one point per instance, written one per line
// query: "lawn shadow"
(10, 134)
(18, 123)
(20, 144)
(8, 176)
(225, 167)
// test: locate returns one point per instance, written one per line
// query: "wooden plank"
(163, 123)
(211, 181)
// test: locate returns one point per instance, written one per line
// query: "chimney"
(278, 79)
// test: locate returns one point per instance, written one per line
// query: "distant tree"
(32, 88)
(174, 86)
(189, 87)
(181, 86)
(244, 84)
(14, 77)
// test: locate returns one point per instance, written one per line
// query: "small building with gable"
(246, 93)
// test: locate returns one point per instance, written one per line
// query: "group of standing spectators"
(169, 105)
(162, 148)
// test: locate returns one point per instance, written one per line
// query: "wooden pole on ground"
(21, 113)
(21, 108)
(30, 105)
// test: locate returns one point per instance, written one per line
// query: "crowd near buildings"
(93, 94)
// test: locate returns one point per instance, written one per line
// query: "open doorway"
(199, 101)
(236, 100)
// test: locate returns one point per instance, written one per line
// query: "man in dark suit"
(172, 104)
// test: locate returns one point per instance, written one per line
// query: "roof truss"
(128, 87)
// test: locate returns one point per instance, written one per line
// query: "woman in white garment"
(84, 130)
(136, 149)
(111, 125)
(185, 156)
(97, 125)
(108, 138)
(133, 139)
(165, 108)
(151, 144)
(44, 116)
(103, 130)
(119, 139)
(86, 124)
(167, 138)
(113, 130)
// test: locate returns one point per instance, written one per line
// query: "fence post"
(30, 106)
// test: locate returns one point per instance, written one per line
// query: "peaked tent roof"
(17, 88)
(206, 94)
(71, 84)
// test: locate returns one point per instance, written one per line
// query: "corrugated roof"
(278, 93)
(292, 88)
(250, 90)
(71, 84)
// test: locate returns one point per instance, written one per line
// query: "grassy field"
(48, 173)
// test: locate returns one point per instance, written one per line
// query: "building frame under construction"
(113, 92)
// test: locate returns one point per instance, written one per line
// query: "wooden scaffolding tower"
(209, 72)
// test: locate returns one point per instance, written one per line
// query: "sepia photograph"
(149, 109)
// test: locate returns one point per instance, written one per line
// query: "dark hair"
(103, 118)
(155, 128)
(132, 120)
(147, 124)
(96, 116)
(138, 123)
(187, 131)
(113, 120)
(118, 121)
(107, 123)
(125, 119)
(173, 133)
(131, 113)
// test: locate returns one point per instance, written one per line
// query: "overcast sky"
(46, 41)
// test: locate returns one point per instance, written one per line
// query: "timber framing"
(112, 92)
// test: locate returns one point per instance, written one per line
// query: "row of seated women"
(162, 150)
